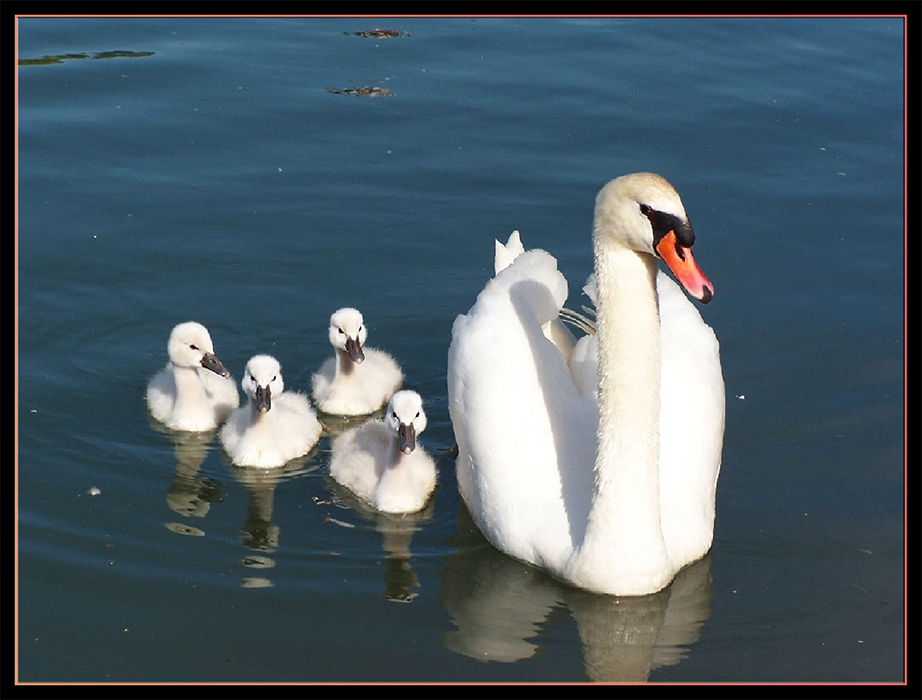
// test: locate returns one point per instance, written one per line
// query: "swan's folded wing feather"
(514, 406)
(161, 394)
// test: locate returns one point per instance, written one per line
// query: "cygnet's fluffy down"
(381, 462)
(356, 380)
(275, 426)
(194, 392)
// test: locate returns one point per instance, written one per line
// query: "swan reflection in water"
(397, 530)
(500, 605)
(497, 604)
(335, 425)
(258, 532)
(190, 494)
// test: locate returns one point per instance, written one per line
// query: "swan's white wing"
(553, 328)
(222, 392)
(358, 458)
(526, 437)
(584, 366)
(161, 394)
(381, 378)
(203, 408)
(691, 424)
(591, 289)
(322, 380)
(555, 331)
(297, 421)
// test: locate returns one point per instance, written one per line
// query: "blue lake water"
(220, 169)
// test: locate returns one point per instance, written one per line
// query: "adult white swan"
(614, 495)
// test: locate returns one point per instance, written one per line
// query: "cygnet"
(356, 380)
(275, 426)
(194, 392)
(381, 462)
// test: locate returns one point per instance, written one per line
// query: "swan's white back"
(526, 419)
(187, 395)
(287, 430)
(367, 459)
(345, 387)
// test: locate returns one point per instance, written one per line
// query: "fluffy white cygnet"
(356, 380)
(194, 392)
(381, 462)
(275, 426)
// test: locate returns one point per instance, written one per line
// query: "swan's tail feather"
(505, 254)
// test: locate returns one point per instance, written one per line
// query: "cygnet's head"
(405, 416)
(190, 346)
(348, 333)
(262, 380)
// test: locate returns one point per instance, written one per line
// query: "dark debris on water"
(375, 92)
(60, 58)
(378, 33)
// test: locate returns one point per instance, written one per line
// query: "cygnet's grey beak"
(406, 438)
(209, 361)
(263, 398)
(354, 348)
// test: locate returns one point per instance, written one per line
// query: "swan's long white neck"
(623, 543)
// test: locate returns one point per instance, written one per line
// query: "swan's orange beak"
(682, 263)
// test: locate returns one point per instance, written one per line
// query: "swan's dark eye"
(193, 346)
(417, 415)
(394, 414)
(664, 223)
(341, 331)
